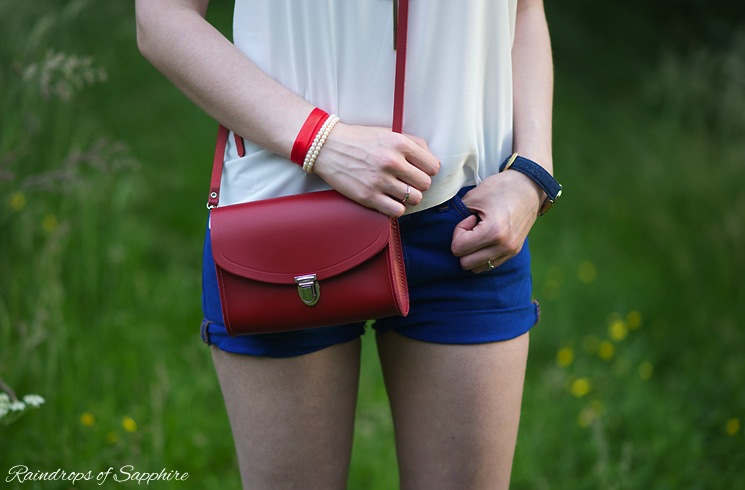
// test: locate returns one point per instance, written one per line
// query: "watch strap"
(537, 174)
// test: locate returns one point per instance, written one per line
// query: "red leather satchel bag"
(281, 267)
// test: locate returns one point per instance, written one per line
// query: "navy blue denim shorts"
(448, 304)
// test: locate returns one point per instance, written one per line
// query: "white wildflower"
(4, 404)
(33, 400)
(17, 406)
(62, 74)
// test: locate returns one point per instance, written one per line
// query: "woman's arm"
(370, 165)
(507, 203)
(175, 37)
(533, 82)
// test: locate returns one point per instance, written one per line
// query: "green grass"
(635, 377)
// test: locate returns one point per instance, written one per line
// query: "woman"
(479, 87)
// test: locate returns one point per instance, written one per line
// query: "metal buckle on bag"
(308, 289)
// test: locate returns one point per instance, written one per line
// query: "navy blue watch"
(538, 175)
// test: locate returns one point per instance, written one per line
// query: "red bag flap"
(276, 240)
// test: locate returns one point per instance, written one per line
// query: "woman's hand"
(506, 206)
(376, 167)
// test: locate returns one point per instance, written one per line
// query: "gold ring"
(407, 194)
(489, 264)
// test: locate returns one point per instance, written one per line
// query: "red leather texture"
(261, 247)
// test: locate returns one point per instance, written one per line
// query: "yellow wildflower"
(49, 223)
(733, 426)
(606, 350)
(587, 272)
(645, 370)
(87, 419)
(590, 413)
(565, 356)
(618, 330)
(586, 417)
(112, 437)
(17, 201)
(129, 424)
(580, 387)
(633, 319)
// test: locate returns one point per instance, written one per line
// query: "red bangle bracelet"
(306, 135)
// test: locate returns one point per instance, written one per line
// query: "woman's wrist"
(311, 138)
(548, 187)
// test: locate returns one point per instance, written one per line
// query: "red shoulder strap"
(398, 104)
(401, 34)
(222, 140)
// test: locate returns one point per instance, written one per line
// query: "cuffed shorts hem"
(282, 344)
(474, 327)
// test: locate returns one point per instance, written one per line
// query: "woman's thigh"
(456, 410)
(292, 418)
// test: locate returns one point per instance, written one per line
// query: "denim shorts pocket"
(459, 207)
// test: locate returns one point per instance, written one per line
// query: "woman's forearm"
(532, 84)
(371, 165)
(175, 37)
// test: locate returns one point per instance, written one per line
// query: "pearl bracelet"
(318, 142)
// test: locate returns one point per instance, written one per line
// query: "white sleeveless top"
(338, 54)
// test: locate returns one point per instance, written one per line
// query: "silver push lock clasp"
(308, 289)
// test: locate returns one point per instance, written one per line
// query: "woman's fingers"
(405, 193)
(376, 167)
(421, 157)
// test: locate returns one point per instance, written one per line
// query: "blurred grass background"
(636, 371)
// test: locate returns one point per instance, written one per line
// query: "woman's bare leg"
(456, 410)
(292, 418)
